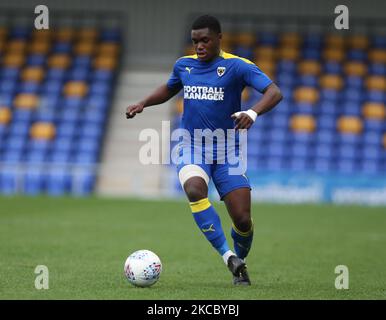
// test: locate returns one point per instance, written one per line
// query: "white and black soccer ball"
(143, 268)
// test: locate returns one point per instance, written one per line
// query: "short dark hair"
(207, 21)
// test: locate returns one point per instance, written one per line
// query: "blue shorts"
(220, 172)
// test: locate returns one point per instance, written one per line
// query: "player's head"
(206, 37)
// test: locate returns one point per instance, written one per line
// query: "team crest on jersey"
(220, 71)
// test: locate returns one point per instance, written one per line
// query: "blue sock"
(242, 241)
(209, 223)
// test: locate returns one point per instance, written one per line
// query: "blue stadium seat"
(375, 96)
(356, 54)
(325, 151)
(85, 158)
(311, 54)
(328, 108)
(302, 150)
(62, 144)
(52, 85)
(100, 87)
(308, 80)
(28, 87)
(55, 74)
(348, 166)
(59, 157)
(379, 41)
(8, 87)
(88, 145)
(276, 149)
(66, 129)
(286, 66)
(372, 138)
(326, 122)
(36, 156)
(12, 156)
(332, 67)
(58, 182)
(349, 139)
(82, 61)
(354, 82)
(45, 115)
(50, 101)
(323, 165)
(352, 108)
(102, 75)
(78, 74)
(36, 60)
(6, 99)
(94, 116)
(276, 163)
(83, 183)
(313, 40)
(243, 52)
(39, 145)
(348, 152)
(91, 130)
(329, 95)
(20, 32)
(70, 115)
(72, 102)
(374, 125)
(62, 47)
(15, 143)
(10, 73)
(8, 180)
(352, 94)
(110, 35)
(19, 128)
(372, 153)
(299, 164)
(371, 167)
(267, 38)
(33, 181)
(377, 69)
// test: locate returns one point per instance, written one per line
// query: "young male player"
(213, 81)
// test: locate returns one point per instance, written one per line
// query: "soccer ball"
(143, 268)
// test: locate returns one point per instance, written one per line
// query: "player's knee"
(243, 222)
(195, 192)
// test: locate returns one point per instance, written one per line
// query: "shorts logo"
(209, 229)
(220, 71)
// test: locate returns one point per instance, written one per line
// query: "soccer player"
(212, 81)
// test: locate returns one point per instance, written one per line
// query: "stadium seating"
(55, 91)
(332, 118)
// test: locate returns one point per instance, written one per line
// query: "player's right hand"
(132, 110)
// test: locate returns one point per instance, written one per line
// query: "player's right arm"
(160, 95)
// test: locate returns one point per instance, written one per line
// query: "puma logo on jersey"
(209, 229)
(189, 69)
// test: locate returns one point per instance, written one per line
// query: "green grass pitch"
(84, 243)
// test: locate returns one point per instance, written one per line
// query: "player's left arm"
(252, 76)
(271, 97)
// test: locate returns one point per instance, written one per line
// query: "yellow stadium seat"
(64, 34)
(3, 32)
(384, 140)
(306, 94)
(377, 55)
(108, 49)
(349, 124)
(331, 81)
(13, 60)
(360, 42)
(302, 123)
(42, 131)
(180, 105)
(75, 88)
(5, 115)
(39, 47)
(264, 53)
(290, 39)
(227, 39)
(376, 83)
(16, 46)
(266, 65)
(87, 34)
(33, 74)
(2, 46)
(374, 110)
(247, 39)
(289, 53)
(355, 68)
(334, 41)
(103, 62)
(84, 48)
(43, 34)
(309, 67)
(59, 60)
(26, 101)
(333, 54)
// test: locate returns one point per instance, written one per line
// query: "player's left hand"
(242, 120)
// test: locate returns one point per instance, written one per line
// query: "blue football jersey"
(212, 90)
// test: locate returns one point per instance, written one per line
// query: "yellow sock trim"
(241, 233)
(200, 205)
